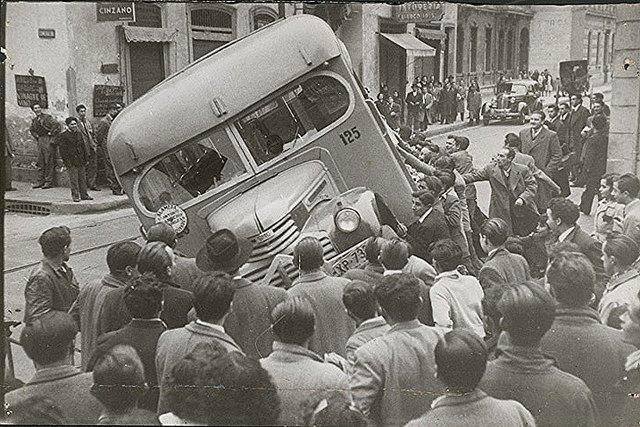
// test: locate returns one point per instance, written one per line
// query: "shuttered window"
(211, 28)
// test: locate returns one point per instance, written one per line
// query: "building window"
(501, 50)
(262, 16)
(510, 43)
(597, 48)
(589, 48)
(474, 49)
(211, 27)
(487, 48)
(459, 50)
(524, 49)
(148, 15)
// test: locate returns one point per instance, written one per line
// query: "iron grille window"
(148, 15)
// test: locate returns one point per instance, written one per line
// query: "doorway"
(147, 66)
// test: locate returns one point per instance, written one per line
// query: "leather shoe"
(46, 186)
(75, 199)
(37, 185)
(94, 189)
(86, 198)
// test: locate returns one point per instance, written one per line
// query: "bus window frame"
(249, 172)
(277, 94)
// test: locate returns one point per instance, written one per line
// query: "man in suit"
(626, 190)
(44, 128)
(104, 162)
(501, 266)
(86, 128)
(249, 321)
(297, 372)
(73, 152)
(48, 342)
(562, 217)
(401, 360)
(213, 294)
(541, 144)
(577, 122)
(413, 100)
(87, 309)
(429, 227)
(512, 185)
(333, 324)
(144, 301)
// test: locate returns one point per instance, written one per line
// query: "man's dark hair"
(461, 359)
(528, 311)
(122, 255)
(598, 96)
(610, 178)
(308, 254)
(426, 197)
(564, 210)
(394, 254)
(49, 337)
(359, 298)
(405, 133)
(434, 184)
(212, 296)
(338, 410)
(210, 386)
(80, 107)
(445, 162)
(54, 240)
(162, 232)
(572, 278)
(599, 121)
(143, 296)
(462, 142)
(554, 107)
(446, 177)
(623, 248)
(564, 104)
(629, 183)
(447, 254)
(541, 113)
(155, 258)
(34, 104)
(293, 321)
(512, 140)
(496, 230)
(372, 249)
(70, 120)
(118, 379)
(399, 296)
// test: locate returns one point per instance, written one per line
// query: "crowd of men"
(82, 149)
(515, 318)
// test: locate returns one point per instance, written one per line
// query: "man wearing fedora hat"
(249, 321)
(333, 324)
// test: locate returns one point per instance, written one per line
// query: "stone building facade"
(65, 44)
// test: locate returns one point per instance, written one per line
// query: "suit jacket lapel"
(497, 174)
(513, 179)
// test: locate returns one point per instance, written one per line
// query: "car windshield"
(292, 119)
(196, 167)
(518, 89)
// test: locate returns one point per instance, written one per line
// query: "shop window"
(598, 49)
(211, 27)
(459, 50)
(292, 119)
(148, 15)
(589, 48)
(487, 48)
(199, 166)
(474, 49)
(262, 16)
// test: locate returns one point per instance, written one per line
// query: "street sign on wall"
(104, 97)
(31, 90)
(418, 12)
(115, 11)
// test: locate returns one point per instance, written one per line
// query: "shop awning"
(145, 34)
(412, 45)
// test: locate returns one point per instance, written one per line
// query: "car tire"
(485, 120)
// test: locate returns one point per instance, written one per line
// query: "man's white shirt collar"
(425, 215)
(211, 325)
(390, 272)
(563, 236)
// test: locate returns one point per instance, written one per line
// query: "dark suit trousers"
(46, 159)
(91, 169)
(105, 166)
(592, 183)
(77, 182)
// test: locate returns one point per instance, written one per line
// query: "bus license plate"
(354, 258)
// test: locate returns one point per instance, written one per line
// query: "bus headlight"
(347, 220)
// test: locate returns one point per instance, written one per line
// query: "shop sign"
(104, 97)
(418, 12)
(31, 90)
(115, 11)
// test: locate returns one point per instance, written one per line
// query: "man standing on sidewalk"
(101, 137)
(44, 128)
(86, 128)
(74, 156)
(577, 122)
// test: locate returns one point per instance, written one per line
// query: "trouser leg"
(91, 169)
(50, 162)
(73, 182)
(41, 162)
(111, 176)
(590, 191)
(82, 181)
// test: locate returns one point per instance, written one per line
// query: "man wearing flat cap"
(48, 341)
(249, 321)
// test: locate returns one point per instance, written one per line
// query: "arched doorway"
(523, 62)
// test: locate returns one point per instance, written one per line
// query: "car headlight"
(347, 220)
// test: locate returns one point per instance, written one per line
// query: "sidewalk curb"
(69, 208)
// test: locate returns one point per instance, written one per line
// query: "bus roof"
(230, 79)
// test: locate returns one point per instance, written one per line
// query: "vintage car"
(514, 99)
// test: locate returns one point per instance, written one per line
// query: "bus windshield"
(293, 118)
(194, 168)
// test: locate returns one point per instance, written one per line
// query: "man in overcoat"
(541, 144)
(511, 184)
(44, 128)
(578, 117)
(74, 155)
